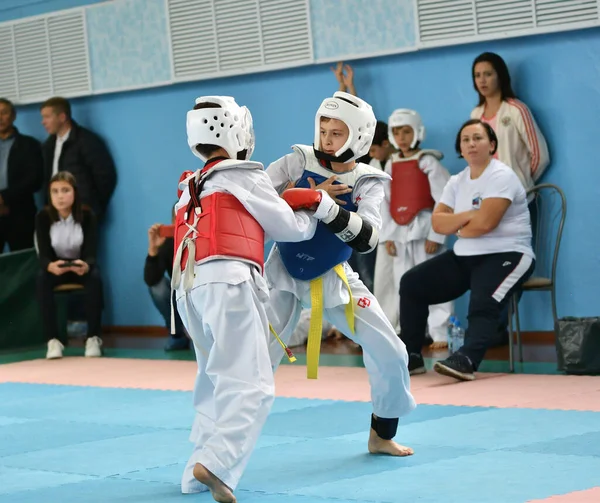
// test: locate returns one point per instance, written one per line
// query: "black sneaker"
(416, 365)
(457, 366)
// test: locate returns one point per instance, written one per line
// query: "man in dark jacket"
(21, 174)
(71, 147)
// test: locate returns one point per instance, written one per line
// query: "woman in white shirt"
(66, 237)
(485, 205)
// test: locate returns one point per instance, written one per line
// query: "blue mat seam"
(21, 468)
(329, 498)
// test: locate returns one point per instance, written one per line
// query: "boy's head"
(344, 128)
(333, 134)
(218, 122)
(406, 130)
(381, 147)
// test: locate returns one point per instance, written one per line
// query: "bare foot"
(220, 492)
(378, 445)
(438, 345)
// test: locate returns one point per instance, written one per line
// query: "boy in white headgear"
(223, 213)
(418, 179)
(314, 273)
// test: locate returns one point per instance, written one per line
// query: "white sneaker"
(92, 347)
(55, 349)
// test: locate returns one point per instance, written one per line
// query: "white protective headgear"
(406, 117)
(229, 127)
(358, 115)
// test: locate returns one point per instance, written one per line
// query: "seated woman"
(485, 205)
(66, 236)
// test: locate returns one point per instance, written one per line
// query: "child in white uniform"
(222, 217)
(418, 179)
(314, 273)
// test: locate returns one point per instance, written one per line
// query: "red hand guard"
(302, 199)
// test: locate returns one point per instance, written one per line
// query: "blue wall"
(556, 75)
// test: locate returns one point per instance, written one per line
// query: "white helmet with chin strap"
(406, 117)
(229, 127)
(358, 115)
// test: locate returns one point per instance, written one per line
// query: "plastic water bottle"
(458, 336)
(451, 321)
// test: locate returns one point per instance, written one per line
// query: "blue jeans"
(160, 294)
(364, 265)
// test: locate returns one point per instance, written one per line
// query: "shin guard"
(385, 428)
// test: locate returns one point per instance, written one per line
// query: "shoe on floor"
(416, 364)
(456, 365)
(93, 347)
(55, 349)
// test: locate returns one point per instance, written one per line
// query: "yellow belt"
(315, 330)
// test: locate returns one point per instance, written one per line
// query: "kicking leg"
(386, 361)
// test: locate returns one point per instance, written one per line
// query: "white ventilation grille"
(43, 57)
(8, 74)
(68, 54)
(285, 31)
(193, 37)
(238, 34)
(443, 22)
(213, 37)
(560, 12)
(445, 19)
(33, 60)
(503, 15)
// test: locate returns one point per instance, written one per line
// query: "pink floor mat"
(588, 496)
(339, 383)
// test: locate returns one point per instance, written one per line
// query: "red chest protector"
(217, 226)
(410, 192)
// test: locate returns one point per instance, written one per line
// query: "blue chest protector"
(310, 259)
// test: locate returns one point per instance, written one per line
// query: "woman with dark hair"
(485, 205)
(521, 145)
(66, 238)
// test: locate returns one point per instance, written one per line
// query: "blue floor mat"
(82, 444)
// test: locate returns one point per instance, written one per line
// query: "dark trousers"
(363, 264)
(160, 294)
(492, 279)
(93, 301)
(17, 231)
